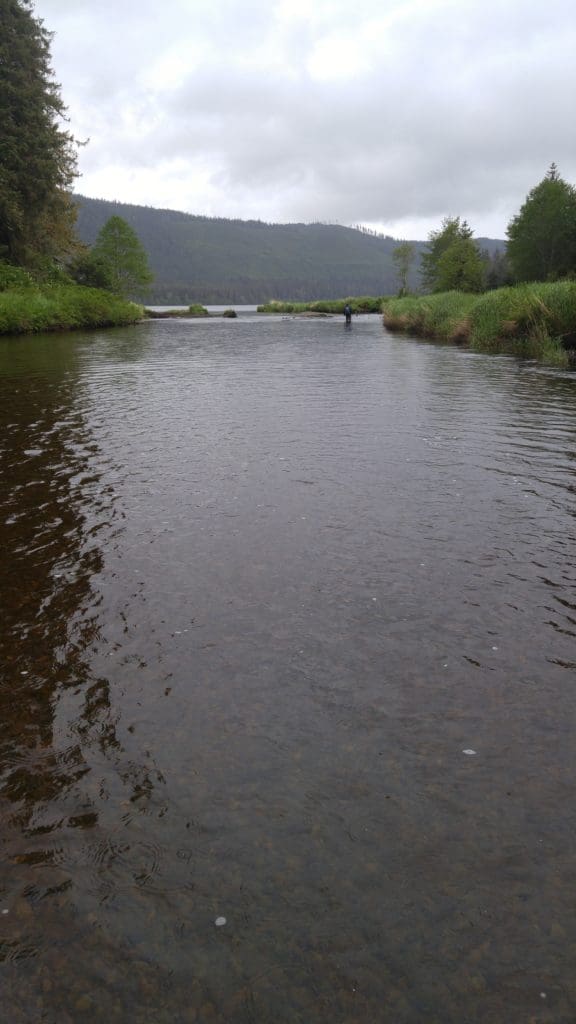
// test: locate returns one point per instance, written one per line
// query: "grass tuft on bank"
(537, 321)
(31, 309)
(196, 310)
(360, 304)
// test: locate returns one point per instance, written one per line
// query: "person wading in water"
(348, 314)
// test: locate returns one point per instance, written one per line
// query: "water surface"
(264, 583)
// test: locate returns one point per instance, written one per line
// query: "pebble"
(220, 922)
(469, 752)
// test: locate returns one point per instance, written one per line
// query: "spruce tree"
(37, 154)
(542, 236)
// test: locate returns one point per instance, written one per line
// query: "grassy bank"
(533, 320)
(362, 304)
(176, 314)
(186, 314)
(62, 308)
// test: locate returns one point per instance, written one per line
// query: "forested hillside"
(203, 259)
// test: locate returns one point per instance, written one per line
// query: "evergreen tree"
(37, 156)
(451, 230)
(120, 253)
(542, 236)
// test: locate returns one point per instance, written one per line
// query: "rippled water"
(287, 627)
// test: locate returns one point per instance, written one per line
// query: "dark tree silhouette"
(37, 154)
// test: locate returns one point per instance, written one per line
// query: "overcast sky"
(389, 113)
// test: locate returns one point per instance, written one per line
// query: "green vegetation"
(542, 236)
(12, 277)
(91, 271)
(62, 307)
(119, 253)
(37, 211)
(533, 320)
(177, 314)
(444, 316)
(452, 260)
(37, 157)
(541, 245)
(537, 320)
(363, 304)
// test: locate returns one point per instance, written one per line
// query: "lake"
(288, 678)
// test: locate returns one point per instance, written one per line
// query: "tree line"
(541, 246)
(37, 168)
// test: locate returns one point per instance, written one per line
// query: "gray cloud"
(393, 113)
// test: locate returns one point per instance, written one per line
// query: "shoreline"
(533, 321)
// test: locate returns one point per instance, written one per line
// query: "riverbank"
(537, 321)
(362, 304)
(63, 308)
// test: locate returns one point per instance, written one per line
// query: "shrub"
(14, 277)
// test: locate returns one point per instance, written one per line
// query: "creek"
(288, 678)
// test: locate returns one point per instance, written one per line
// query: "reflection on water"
(263, 583)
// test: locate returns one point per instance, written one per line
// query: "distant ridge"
(215, 260)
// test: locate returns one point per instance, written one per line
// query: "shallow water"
(264, 583)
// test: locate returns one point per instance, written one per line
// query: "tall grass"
(61, 308)
(360, 304)
(444, 316)
(533, 320)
